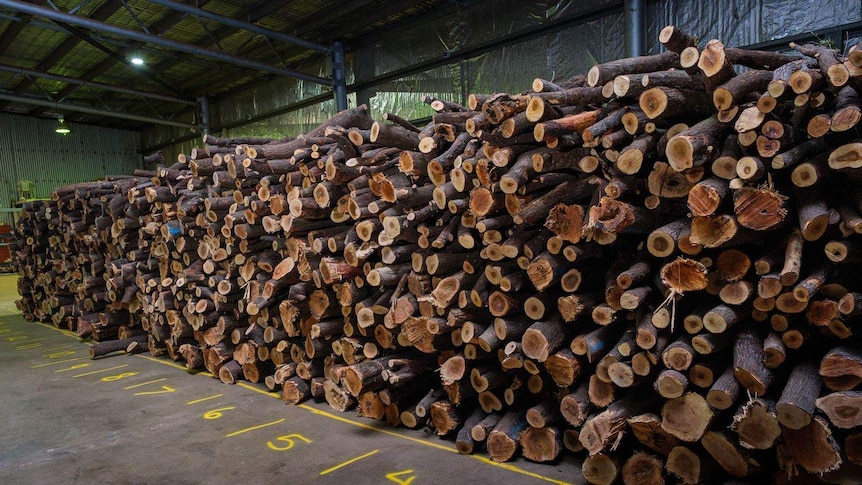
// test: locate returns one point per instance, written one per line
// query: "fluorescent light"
(137, 61)
(62, 127)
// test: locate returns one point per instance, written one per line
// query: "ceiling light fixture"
(62, 127)
(137, 61)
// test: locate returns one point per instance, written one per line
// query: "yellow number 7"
(287, 439)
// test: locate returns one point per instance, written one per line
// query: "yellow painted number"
(165, 390)
(393, 477)
(76, 366)
(289, 439)
(119, 376)
(217, 413)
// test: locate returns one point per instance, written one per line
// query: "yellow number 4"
(287, 439)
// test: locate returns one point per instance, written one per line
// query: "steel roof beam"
(91, 24)
(83, 82)
(30, 100)
(239, 24)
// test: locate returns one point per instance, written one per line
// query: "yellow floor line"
(450, 449)
(246, 430)
(173, 364)
(348, 462)
(57, 362)
(144, 383)
(101, 370)
(195, 401)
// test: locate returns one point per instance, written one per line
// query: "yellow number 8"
(119, 376)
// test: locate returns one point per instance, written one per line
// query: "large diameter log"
(844, 408)
(503, 440)
(686, 417)
(812, 447)
(543, 338)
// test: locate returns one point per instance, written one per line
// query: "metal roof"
(37, 42)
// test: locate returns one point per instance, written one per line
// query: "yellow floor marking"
(172, 364)
(204, 399)
(101, 370)
(64, 332)
(74, 367)
(246, 430)
(319, 412)
(145, 383)
(57, 362)
(336, 417)
(29, 346)
(54, 349)
(259, 390)
(344, 464)
(450, 449)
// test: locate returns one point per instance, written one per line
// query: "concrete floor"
(136, 419)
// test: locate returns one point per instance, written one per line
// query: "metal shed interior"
(264, 68)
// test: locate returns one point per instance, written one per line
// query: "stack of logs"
(649, 266)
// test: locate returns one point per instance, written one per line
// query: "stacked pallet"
(649, 265)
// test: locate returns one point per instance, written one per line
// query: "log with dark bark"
(576, 260)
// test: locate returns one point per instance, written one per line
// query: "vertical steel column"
(204, 109)
(635, 19)
(339, 81)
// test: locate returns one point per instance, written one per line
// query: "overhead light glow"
(62, 127)
(137, 61)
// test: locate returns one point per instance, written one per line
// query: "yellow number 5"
(287, 439)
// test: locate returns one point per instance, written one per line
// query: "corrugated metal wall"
(556, 55)
(31, 150)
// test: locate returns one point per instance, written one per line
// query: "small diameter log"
(101, 349)
(797, 403)
(446, 417)
(601, 469)
(692, 147)
(687, 465)
(686, 417)
(748, 366)
(675, 40)
(643, 469)
(575, 405)
(603, 429)
(542, 445)
(563, 367)
(737, 88)
(602, 73)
